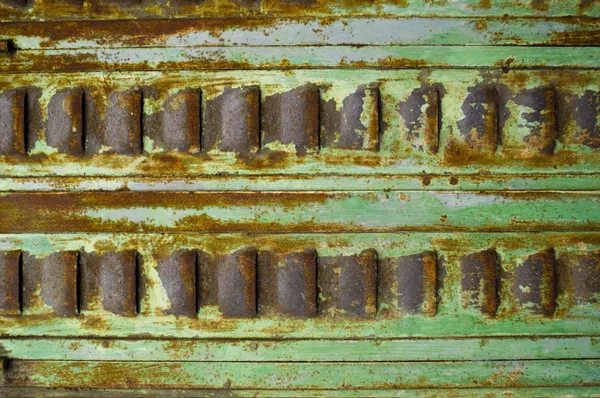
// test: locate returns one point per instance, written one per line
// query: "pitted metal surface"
(299, 198)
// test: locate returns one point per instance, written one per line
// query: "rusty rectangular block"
(176, 125)
(232, 120)
(109, 282)
(10, 282)
(479, 128)
(356, 125)
(292, 118)
(13, 133)
(229, 282)
(287, 283)
(348, 285)
(408, 284)
(50, 284)
(119, 130)
(536, 130)
(578, 278)
(421, 116)
(534, 284)
(479, 284)
(579, 118)
(181, 118)
(178, 275)
(64, 130)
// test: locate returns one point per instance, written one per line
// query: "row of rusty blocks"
(248, 282)
(231, 122)
(298, 120)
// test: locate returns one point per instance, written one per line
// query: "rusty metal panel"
(299, 198)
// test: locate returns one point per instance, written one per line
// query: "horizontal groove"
(315, 57)
(234, 20)
(316, 363)
(284, 339)
(357, 44)
(354, 14)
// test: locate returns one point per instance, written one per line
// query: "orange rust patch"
(485, 4)
(576, 38)
(540, 5)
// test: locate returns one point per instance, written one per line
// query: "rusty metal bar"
(268, 31)
(114, 10)
(298, 211)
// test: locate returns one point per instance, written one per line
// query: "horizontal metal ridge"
(352, 376)
(367, 349)
(283, 182)
(351, 57)
(302, 31)
(288, 212)
(127, 9)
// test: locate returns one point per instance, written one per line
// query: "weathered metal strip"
(467, 349)
(298, 211)
(211, 326)
(468, 31)
(584, 392)
(282, 183)
(304, 57)
(102, 9)
(558, 373)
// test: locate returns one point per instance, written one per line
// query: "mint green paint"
(464, 349)
(326, 375)
(315, 57)
(575, 182)
(500, 392)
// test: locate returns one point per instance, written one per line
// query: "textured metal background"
(300, 198)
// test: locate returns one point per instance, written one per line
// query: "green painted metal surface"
(300, 198)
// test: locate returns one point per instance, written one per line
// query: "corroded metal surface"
(299, 198)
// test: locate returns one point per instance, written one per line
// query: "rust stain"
(540, 5)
